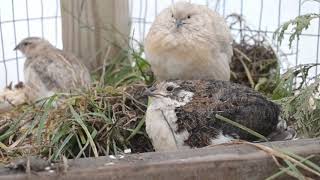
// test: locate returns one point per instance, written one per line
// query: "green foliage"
(303, 110)
(143, 67)
(299, 24)
(295, 92)
(300, 100)
(127, 68)
(291, 81)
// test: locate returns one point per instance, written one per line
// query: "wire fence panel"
(23, 18)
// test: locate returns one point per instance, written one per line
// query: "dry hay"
(101, 121)
(254, 63)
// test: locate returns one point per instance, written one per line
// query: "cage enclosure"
(100, 132)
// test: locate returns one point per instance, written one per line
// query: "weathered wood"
(90, 27)
(226, 162)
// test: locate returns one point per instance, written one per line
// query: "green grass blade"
(101, 115)
(21, 138)
(284, 170)
(94, 133)
(293, 170)
(82, 137)
(307, 162)
(62, 130)
(114, 145)
(79, 142)
(14, 127)
(241, 127)
(78, 119)
(136, 130)
(44, 117)
(65, 142)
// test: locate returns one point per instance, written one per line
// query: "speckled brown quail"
(182, 114)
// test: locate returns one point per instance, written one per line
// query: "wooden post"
(95, 30)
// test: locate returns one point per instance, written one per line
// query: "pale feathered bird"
(188, 41)
(47, 70)
(182, 114)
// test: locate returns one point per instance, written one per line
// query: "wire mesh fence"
(22, 18)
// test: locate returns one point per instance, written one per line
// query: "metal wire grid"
(143, 13)
(20, 19)
(258, 14)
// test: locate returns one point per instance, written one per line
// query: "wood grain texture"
(228, 162)
(90, 27)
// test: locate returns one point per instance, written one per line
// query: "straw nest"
(101, 121)
(254, 63)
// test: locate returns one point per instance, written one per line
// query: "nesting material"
(100, 122)
(254, 62)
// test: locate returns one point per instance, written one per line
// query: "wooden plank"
(90, 27)
(221, 162)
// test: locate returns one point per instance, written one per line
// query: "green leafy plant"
(297, 92)
(299, 24)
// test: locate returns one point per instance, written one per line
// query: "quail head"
(182, 114)
(188, 41)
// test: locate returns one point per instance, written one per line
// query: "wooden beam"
(228, 162)
(90, 27)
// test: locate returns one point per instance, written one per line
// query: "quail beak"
(149, 92)
(17, 47)
(179, 23)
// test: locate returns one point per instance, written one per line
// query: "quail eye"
(189, 17)
(26, 44)
(170, 88)
(172, 15)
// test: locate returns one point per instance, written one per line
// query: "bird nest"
(254, 62)
(101, 121)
